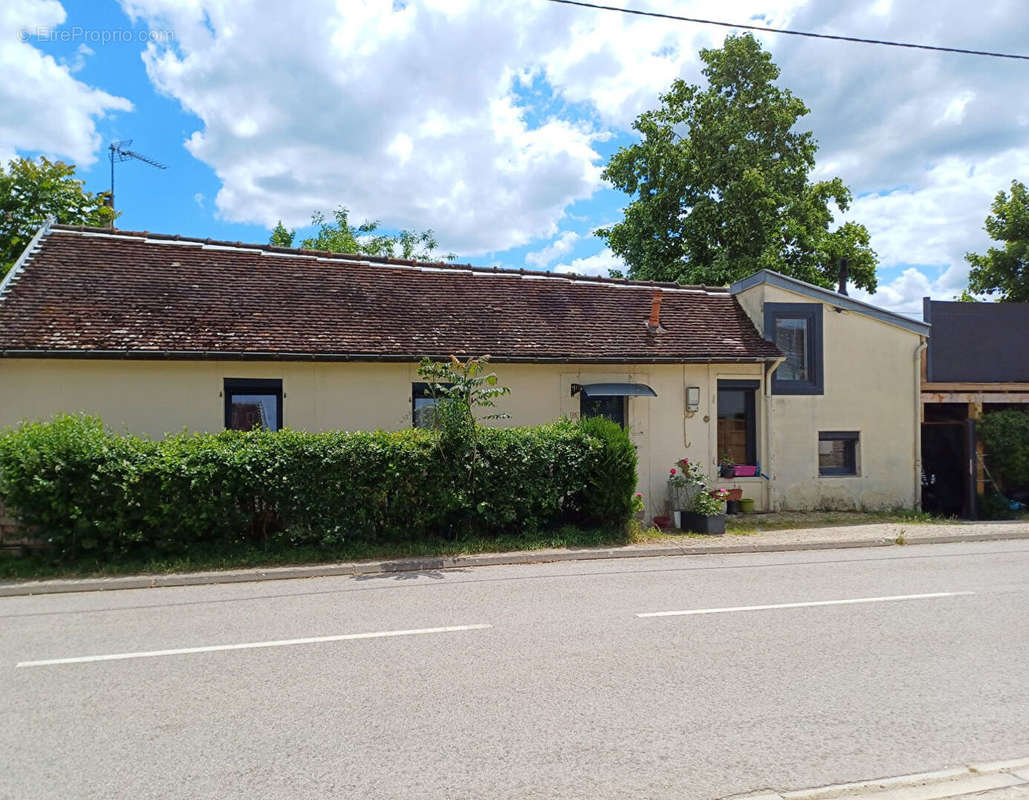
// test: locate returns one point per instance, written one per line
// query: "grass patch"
(39, 566)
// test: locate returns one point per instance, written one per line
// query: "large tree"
(1005, 272)
(338, 236)
(720, 184)
(30, 191)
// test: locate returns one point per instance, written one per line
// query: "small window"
(837, 452)
(737, 421)
(796, 329)
(610, 406)
(422, 405)
(253, 403)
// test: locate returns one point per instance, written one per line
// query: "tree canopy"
(338, 236)
(720, 184)
(30, 191)
(1004, 272)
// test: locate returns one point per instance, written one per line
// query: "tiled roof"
(91, 292)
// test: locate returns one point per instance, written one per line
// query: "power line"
(764, 29)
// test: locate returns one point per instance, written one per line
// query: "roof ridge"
(361, 258)
(26, 255)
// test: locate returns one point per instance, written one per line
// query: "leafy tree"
(30, 191)
(282, 236)
(720, 184)
(338, 236)
(1005, 272)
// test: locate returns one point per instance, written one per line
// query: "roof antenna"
(119, 152)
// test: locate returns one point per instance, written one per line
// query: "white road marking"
(251, 645)
(696, 611)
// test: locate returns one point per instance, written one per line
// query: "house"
(815, 392)
(842, 409)
(977, 361)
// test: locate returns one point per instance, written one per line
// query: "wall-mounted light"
(692, 398)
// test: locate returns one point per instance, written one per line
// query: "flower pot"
(727, 471)
(747, 505)
(734, 494)
(664, 523)
(698, 523)
(732, 507)
(742, 471)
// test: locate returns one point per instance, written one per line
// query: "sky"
(490, 122)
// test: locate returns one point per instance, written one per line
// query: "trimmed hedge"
(90, 491)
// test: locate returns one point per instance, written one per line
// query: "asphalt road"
(566, 693)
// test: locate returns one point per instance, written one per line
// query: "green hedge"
(90, 491)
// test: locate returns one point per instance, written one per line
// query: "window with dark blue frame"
(423, 404)
(838, 452)
(253, 403)
(610, 406)
(737, 421)
(796, 329)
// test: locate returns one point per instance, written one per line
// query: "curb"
(29, 588)
(954, 782)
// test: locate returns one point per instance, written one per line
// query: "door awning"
(613, 390)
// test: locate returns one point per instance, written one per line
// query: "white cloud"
(933, 226)
(561, 246)
(405, 114)
(412, 115)
(42, 107)
(599, 264)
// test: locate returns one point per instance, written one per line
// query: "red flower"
(671, 471)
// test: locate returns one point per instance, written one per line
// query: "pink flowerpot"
(744, 471)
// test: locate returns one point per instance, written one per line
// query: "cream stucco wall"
(870, 386)
(159, 397)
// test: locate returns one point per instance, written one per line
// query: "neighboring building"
(977, 361)
(158, 334)
(842, 411)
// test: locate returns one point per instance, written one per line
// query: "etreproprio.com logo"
(78, 34)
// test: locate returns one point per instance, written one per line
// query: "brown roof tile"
(90, 292)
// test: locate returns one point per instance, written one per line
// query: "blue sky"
(490, 122)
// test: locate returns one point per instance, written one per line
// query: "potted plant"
(726, 466)
(705, 514)
(684, 483)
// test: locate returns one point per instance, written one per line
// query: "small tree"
(282, 236)
(1005, 272)
(31, 191)
(337, 235)
(460, 389)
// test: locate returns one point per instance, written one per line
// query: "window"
(253, 402)
(796, 329)
(737, 421)
(837, 452)
(422, 405)
(610, 406)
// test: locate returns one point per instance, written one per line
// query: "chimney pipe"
(654, 323)
(844, 271)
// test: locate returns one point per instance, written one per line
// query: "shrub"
(1006, 441)
(606, 498)
(90, 491)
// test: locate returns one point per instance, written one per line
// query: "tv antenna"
(119, 152)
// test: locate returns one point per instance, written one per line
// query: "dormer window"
(796, 329)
